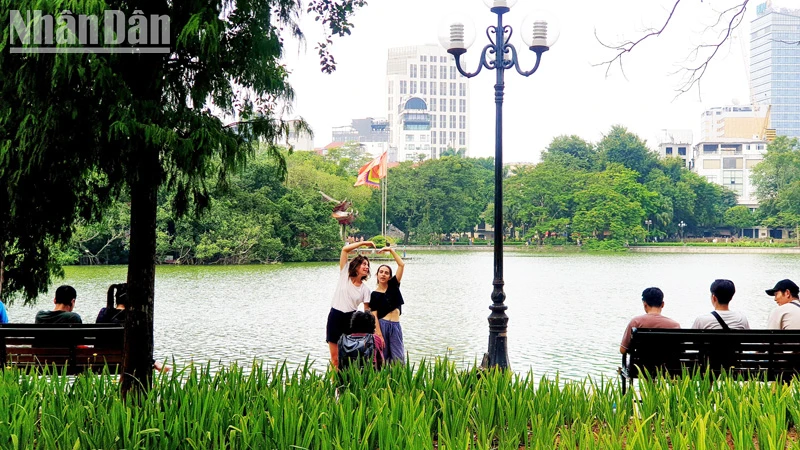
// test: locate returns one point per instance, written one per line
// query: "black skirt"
(338, 324)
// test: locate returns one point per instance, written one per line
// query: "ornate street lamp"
(648, 222)
(539, 35)
(682, 225)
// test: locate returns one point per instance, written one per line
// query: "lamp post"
(498, 55)
(682, 225)
(648, 222)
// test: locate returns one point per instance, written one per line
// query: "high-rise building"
(775, 66)
(427, 102)
(734, 122)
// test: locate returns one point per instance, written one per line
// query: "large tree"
(78, 129)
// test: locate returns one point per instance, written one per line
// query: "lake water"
(567, 312)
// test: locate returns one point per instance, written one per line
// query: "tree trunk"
(138, 357)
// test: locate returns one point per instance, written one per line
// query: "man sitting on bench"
(722, 318)
(787, 315)
(62, 313)
(653, 302)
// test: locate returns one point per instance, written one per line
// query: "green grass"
(432, 405)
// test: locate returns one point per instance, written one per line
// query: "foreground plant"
(428, 405)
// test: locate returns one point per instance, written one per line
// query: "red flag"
(372, 172)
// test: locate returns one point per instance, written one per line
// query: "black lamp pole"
(493, 57)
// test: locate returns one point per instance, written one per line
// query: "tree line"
(606, 194)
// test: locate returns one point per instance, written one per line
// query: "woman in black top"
(386, 304)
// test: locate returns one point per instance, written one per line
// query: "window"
(423, 71)
(452, 137)
(711, 164)
(409, 138)
(462, 106)
(412, 70)
(443, 72)
(452, 121)
(433, 102)
(442, 88)
(433, 120)
(462, 89)
(733, 180)
(452, 73)
(668, 151)
(682, 151)
(423, 138)
(423, 58)
(453, 89)
(443, 137)
(390, 103)
(462, 138)
(433, 88)
(403, 87)
(443, 104)
(433, 137)
(433, 70)
(442, 121)
(423, 87)
(413, 88)
(752, 163)
(452, 105)
(462, 122)
(443, 59)
(732, 163)
(391, 87)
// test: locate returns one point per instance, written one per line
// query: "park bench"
(764, 354)
(69, 348)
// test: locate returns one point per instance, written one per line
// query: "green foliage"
(739, 217)
(400, 407)
(383, 241)
(622, 147)
(572, 152)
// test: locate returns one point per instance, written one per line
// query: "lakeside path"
(635, 249)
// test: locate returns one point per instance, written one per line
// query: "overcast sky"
(567, 95)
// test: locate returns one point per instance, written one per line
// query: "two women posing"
(384, 303)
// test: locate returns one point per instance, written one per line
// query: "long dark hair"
(387, 268)
(117, 295)
(352, 271)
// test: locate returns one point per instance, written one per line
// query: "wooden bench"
(765, 354)
(73, 348)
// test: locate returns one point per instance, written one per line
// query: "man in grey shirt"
(722, 318)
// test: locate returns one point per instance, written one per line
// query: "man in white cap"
(787, 315)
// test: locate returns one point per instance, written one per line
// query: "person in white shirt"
(722, 318)
(787, 315)
(351, 291)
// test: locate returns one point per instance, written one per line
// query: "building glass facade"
(775, 66)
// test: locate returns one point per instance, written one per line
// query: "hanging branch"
(695, 73)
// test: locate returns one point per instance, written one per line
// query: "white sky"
(566, 95)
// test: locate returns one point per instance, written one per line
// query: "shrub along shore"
(432, 405)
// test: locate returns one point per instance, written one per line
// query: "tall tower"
(427, 103)
(775, 66)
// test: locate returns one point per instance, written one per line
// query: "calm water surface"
(567, 312)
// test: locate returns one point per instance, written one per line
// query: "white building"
(728, 162)
(676, 143)
(298, 139)
(427, 102)
(733, 122)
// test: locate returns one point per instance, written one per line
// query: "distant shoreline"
(634, 249)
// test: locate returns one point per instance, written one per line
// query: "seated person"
(362, 342)
(653, 303)
(722, 318)
(62, 312)
(787, 315)
(114, 311)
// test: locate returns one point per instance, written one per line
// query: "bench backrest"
(73, 348)
(771, 354)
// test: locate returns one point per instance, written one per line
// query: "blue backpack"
(356, 350)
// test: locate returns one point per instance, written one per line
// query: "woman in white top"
(351, 291)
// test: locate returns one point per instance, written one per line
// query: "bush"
(381, 240)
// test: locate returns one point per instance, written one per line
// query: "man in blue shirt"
(3, 313)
